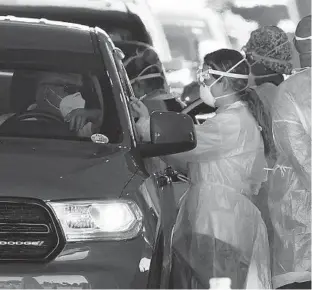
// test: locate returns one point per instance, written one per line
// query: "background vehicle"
(191, 33)
(232, 20)
(153, 26)
(122, 20)
(74, 212)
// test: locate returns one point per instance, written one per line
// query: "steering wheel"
(45, 125)
(191, 107)
(40, 115)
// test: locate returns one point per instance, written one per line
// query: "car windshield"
(56, 95)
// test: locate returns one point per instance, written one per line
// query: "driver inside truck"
(62, 95)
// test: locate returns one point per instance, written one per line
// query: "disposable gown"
(290, 181)
(219, 232)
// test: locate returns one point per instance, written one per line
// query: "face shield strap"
(126, 63)
(148, 67)
(267, 58)
(209, 72)
(298, 38)
(206, 75)
(266, 76)
(258, 57)
(146, 77)
(138, 54)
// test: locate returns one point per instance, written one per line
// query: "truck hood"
(62, 170)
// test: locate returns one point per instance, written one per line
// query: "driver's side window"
(51, 104)
(128, 91)
(125, 82)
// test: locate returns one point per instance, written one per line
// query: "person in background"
(149, 85)
(148, 81)
(290, 188)
(219, 232)
(269, 54)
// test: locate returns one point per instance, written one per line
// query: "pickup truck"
(74, 212)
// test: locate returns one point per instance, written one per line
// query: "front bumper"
(88, 265)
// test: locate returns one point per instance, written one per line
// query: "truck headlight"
(98, 220)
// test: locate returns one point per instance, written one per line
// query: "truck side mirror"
(171, 133)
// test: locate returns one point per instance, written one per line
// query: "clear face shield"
(203, 75)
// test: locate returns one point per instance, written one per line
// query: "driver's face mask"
(57, 102)
(203, 77)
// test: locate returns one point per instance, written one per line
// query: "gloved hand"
(139, 108)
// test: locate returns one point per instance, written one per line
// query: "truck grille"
(28, 231)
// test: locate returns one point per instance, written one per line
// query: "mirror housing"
(171, 133)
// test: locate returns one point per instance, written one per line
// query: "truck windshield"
(56, 95)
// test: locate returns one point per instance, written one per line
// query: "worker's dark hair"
(274, 78)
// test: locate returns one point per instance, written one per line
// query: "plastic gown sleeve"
(215, 137)
(291, 129)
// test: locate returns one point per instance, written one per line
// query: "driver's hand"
(77, 119)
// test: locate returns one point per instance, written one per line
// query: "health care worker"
(219, 232)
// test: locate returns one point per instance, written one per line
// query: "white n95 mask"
(206, 96)
(70, 103)
(61, 104)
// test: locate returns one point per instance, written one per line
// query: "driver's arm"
(93, 111)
